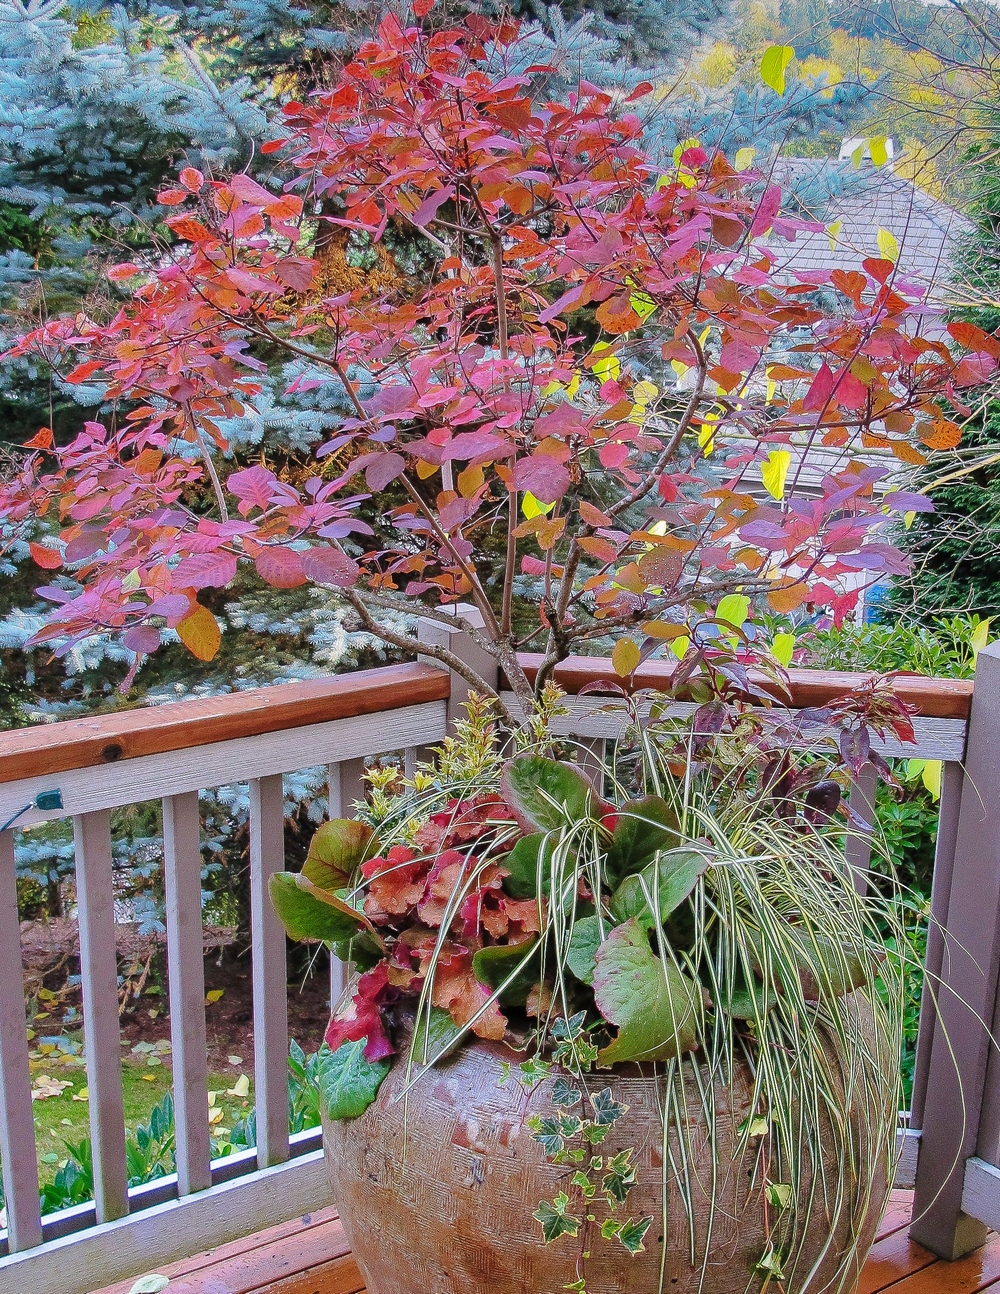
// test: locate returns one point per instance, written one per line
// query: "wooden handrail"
(107, 738)
(937, 698)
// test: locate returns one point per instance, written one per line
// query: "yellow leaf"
(683, 147)
(608, 368)
(680, 646)
(878, 150)
(930, 775)
(531, 507)
(775, 471)
(146, 1078)
(769, 394)
(240, 1088)
(782, 648)
(213, 995)
(908, 519)
(832, 230)
(469, 481)
(887, 245)
(216, 1114)
(131, 582)
(625, 657)
(200, 633)
(773, 66)
(425, 470)
(980, 637)
(744, 158)
(643, 305)
(679, 367)
(734, 609)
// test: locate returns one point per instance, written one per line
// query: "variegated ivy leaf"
(771, 1264)
(564, 1093)
(619, 1178)
(632, 1235)
(778, 1194)
(581, 1180)
(555, 1220)
(606, 1109)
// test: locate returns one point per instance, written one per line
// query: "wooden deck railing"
(84, 768)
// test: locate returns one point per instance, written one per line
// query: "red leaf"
(42, 439)
(249, 191)
(819, 393)
(205, 571)
(329, 566)
(382, 469)
(83, 371)
(295, 272)
(191, 178)
(543, 476)
(49, 559)
(422, 7)
(280, 567)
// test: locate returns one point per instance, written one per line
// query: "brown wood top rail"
(937, 698)
(152, 730)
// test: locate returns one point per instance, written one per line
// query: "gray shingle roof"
(927, 230)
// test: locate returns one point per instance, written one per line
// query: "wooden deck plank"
(311, 1256)
(979, 1271)
(238, 1250)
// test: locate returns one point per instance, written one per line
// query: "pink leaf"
(205, 571)
(280, 567)
(543, 476)
(248, 190)
(142, 639)
(255, 485)
(383, 469)
(766, 211)
(329, 566)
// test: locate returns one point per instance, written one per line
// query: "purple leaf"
(543, 476)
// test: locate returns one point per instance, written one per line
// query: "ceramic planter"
(437, 1190)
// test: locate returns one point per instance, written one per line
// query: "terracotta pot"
(437, 1190)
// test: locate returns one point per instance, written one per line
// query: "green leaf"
(555, 1220)
(643, 827)
(607, 1110)
(150, 1284)
(656, 1008)
(773, 66)
(565, 1093)
(772, 1265)
(545, 794)
(619, 1178)
(522, 864)
(734, 608)
(632, 1234)
(878, 150)
(308, 912)
(494, 966)
(747, 1001)
(779, 1194)
(362, 950)
(348, 1082)
(583, 945)
(434, 1035)
(336, 851)
(671, 877)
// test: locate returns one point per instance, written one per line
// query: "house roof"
(870, 198)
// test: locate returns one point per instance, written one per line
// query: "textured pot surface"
(437, 1191)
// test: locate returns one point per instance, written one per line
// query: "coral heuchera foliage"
(603, 369)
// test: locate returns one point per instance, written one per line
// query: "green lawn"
(62, 1116)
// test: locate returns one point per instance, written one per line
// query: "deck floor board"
(311, 1256)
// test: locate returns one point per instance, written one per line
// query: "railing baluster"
(186, 974)
(345, 784)
(957, 1065)
(17, 1125)
(944, 864)
(102, 1036)
(270, 987)
(858, 847)
(591, 753)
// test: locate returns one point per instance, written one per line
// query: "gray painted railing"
(955, 1120)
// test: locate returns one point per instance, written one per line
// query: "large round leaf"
(583, 945)
(337, 849)
(349, 1083)
(522, 864)
(671, 877)
(546, 794)
(643, 827)
(308, 912)
(518, 963)
(657, 1009)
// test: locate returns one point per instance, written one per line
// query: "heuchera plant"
(603, 378)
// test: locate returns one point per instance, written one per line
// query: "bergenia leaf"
(672, 877)
(583, 945)
(336, 851)
(643, 827)
(348, 1082)
(657, 1008)
(522, 864)
(308, 912)
(546, 794)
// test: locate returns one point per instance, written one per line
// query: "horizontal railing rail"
(84, 768)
